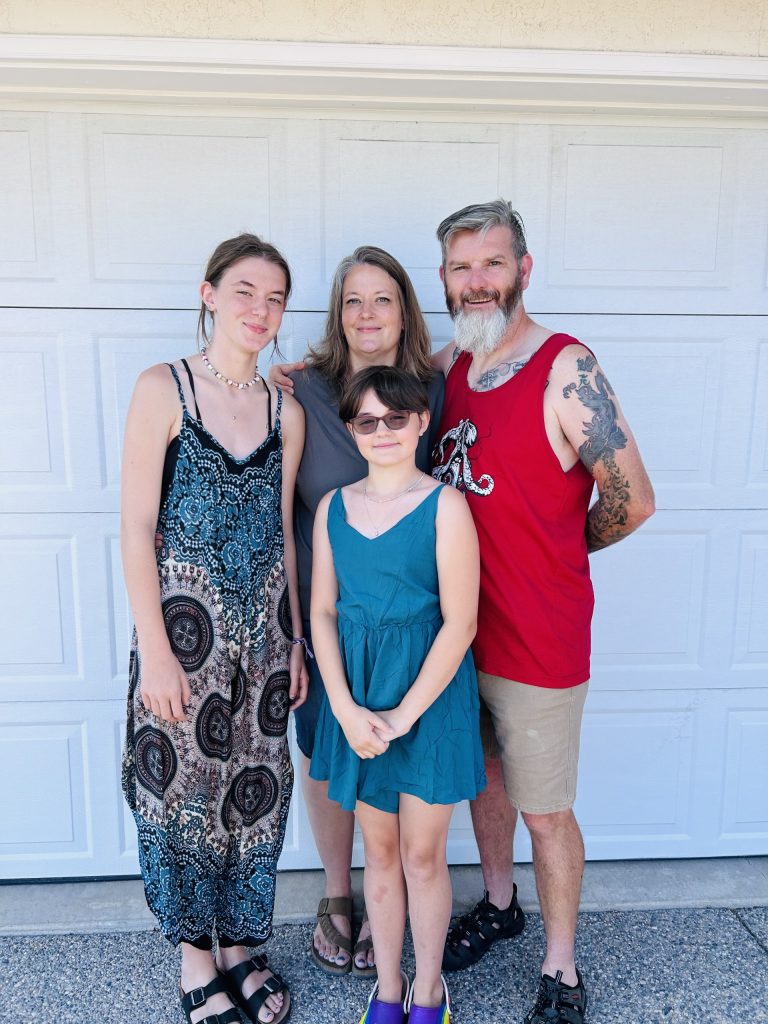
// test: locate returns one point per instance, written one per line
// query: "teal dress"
(389, 616)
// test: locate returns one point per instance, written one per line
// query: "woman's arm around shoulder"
(292, 421)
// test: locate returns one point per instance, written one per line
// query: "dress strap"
(172, 368)
(194, 393)
(277, 410)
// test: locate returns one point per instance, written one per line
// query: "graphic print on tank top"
(456, 469)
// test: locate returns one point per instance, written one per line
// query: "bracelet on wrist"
(303, 641)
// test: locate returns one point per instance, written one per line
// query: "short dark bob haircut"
(393, 387)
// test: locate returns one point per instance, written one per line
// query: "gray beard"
(480, 333)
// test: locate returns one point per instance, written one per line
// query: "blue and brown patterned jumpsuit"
(210, 795)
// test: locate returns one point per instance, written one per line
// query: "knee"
(382, 855)
(422, 862)
(545, 826)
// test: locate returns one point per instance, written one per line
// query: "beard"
(476, 331)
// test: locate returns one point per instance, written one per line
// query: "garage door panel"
(745, 795)
(401, 180)
(650, 600)
(639, 208)
(32, 412)
(758, 439)
(61, 816)
(165, 193)
(39, 628)
(750, 633)
(25, 201)
(45, 809)
(683, 603)
(635, 779)
(54, 632)
(648, 207)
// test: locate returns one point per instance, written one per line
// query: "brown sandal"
(341, 905)
(362, 946)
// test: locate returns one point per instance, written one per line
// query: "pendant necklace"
(382, 501)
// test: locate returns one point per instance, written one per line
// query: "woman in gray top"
(373, 319)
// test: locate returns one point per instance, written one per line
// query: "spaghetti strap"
(194, 393)
(279, 407)
(172, 368)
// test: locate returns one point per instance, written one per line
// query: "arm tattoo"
(603, 433)
(489, 380)
(607, 519)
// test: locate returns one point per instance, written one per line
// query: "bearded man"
(530, 424)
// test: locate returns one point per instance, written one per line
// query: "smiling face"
(371, 316)
(386, 446)
(247, 304)
(481, 273)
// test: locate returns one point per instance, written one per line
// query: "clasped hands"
(369, 733)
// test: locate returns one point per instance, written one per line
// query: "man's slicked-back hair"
(482, 217)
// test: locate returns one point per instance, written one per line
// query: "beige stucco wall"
(673, 26)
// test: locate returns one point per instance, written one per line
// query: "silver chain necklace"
(239, 384)
(381, 501)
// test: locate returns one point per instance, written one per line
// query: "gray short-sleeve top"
(331, 458)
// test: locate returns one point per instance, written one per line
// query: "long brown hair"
(331, 355)
(225, 255)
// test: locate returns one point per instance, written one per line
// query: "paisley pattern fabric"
(210, 795)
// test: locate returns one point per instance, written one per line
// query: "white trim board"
(480, 82)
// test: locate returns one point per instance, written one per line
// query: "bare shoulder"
(157, 390)
(292, 410)
(573, 358)
(452, 506)
(322, 505)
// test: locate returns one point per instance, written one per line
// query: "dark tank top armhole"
(169, 468)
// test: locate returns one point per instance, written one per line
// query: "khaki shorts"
(535, 731)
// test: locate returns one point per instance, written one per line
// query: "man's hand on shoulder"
(592, 421)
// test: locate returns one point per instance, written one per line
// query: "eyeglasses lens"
(369, 424)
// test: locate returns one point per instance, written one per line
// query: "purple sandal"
(379, 1012)
(429, 1014)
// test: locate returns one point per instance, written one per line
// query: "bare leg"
(197, 970)
(332, 829)
(494, 819)
(423, 837)
(384, 886)
(227, 957)
(558, 861)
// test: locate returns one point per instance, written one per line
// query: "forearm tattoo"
(491, 378)
(607, 519)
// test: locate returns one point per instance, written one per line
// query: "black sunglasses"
(395, 420)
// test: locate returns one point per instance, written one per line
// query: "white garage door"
(650, 243)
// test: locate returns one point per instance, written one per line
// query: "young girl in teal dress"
(394, 608)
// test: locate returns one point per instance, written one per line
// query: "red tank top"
(535, 592)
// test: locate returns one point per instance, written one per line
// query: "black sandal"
(234, 980)
(557, 1003)
(475, 932)
(198, 997)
